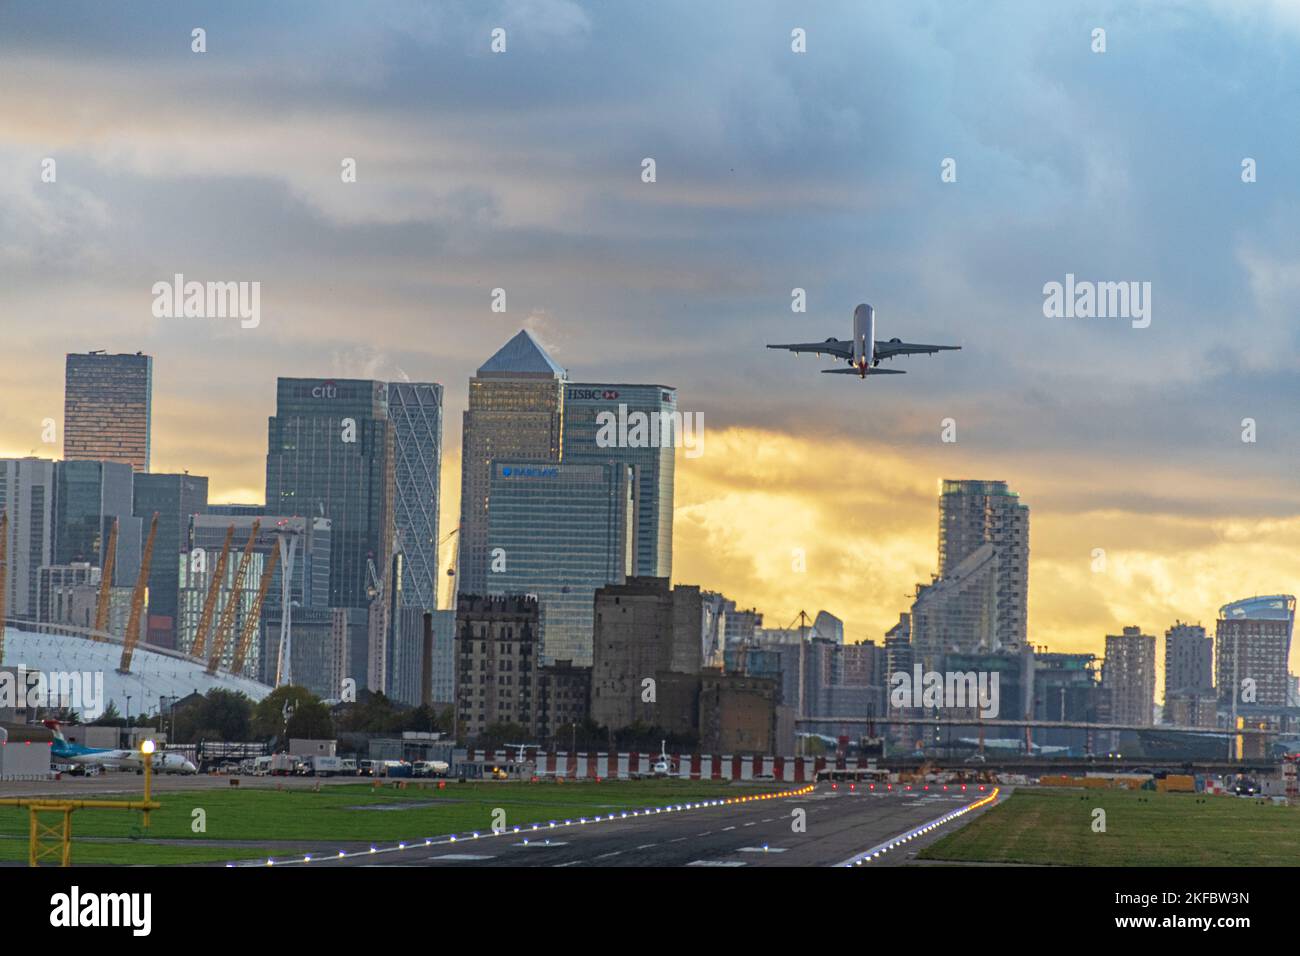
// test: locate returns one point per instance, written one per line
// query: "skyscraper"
(106, 413)
(1189, 659)
(1129, 673)
(958, 612)
(560, 531)
(416, 411)
(586, 408)
(175, 499)
(27, 494)
(516, 411)
(88, 497)
(1253, 641)
(330, 450)
(974, 513)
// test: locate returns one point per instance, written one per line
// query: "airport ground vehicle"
(348, 767)
(322, 766)
(283, 765)
(366, 768)
(429, 768)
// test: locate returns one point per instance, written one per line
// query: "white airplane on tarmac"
(64, 752)
(863, 352)
(663, 766)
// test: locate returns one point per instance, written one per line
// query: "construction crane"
(132, 635)
(236, 589)
(452, 570)
(4, 574)
(210, 603)
(105, 587)
(250, 622)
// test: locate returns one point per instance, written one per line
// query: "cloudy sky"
(775, 170)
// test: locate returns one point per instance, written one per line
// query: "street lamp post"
(128, 721)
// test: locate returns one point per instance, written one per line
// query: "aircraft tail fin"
(53, 727)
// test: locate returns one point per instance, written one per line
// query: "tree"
(111, 717)
(307, 716)
(221, 715)
(496, 736)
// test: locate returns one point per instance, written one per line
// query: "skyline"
(775, 172)
(766, 573)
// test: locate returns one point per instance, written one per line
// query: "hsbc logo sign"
(592, 394)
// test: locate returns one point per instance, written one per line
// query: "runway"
(836, 824)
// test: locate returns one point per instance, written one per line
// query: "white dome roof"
(154, 674)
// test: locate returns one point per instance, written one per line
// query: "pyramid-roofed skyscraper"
(516, 411)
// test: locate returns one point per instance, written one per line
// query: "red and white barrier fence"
(590, 765)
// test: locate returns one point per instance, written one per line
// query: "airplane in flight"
(863, 352)
(64, 752)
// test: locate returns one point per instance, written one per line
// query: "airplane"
(864, 352)
(663, 766)
(64, 752)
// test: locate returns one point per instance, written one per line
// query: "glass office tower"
(330, 451)
(516, 409)
(106, 414)
(416, 412)
(586, 406)
(88, 497)
(560, 531)
(175, 498)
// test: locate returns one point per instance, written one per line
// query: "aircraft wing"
(829, 347)
(870, 371)
(894, 347)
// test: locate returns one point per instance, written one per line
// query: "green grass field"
(1054, 827)
(273, 821)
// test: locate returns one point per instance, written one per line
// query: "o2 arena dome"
(158, 677)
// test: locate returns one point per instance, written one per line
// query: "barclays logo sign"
(508, 471)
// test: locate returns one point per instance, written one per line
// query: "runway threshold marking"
(717, 863)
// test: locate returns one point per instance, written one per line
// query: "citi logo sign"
(325, 390)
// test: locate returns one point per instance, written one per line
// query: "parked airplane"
(863, 352)
(64, 752)
(663, 766)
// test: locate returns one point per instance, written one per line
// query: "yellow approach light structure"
(53, 841)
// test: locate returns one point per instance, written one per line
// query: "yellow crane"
(105, 587)
(236, 590)
(250, 623)
(132, 635)
(210, 603)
